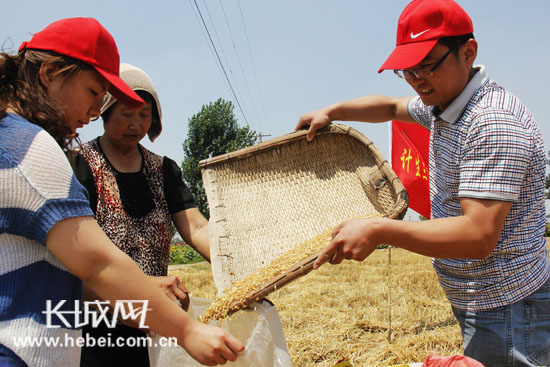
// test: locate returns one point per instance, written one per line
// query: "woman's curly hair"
(22, 91)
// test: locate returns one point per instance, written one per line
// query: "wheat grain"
(235, 297)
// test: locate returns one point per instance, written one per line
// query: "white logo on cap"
(413, 36)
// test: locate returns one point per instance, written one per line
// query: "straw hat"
(138, 80)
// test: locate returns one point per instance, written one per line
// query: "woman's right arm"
(80, 244)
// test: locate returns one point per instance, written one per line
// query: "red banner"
(409, 157)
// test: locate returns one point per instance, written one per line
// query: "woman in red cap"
(49, 240)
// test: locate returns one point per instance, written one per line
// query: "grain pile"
(342, 311)
(234, 298)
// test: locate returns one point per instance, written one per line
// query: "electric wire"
(220, 62)
(205, 35)
(225, 58)
(240, 62)
(253, 65)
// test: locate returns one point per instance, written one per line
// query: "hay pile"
(342, 311)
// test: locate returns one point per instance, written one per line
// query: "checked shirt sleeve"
(497, 152)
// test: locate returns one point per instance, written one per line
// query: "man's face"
(449, 78)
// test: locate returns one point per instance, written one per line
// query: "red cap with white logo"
(421, 24)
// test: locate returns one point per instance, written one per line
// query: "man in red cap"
(487, 167)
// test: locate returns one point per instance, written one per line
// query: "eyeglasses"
(422, 73)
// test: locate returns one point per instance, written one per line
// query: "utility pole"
(260, 136)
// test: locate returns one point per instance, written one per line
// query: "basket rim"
(402, 198)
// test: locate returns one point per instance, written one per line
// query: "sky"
(287, 57)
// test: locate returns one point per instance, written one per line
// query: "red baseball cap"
(421, 24)
(87, 40)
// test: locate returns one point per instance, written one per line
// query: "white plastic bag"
(259, 328)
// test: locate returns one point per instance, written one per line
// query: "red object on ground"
(452, 361)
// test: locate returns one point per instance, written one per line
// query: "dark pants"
(10, 360)
(127, 355)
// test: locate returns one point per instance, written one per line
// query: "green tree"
(211, 132)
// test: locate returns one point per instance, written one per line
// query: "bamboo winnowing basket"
(269, 197)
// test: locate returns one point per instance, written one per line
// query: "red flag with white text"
(409, 157)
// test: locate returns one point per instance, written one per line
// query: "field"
(349, 310)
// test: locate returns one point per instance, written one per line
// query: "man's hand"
(351, 240)
(315, 120)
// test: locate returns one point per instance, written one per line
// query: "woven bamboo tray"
(267, 198)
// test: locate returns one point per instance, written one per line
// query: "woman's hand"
(174, 289)
(210, 345)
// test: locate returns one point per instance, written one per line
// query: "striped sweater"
(37, 189)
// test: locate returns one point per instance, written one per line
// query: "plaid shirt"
(486, 145)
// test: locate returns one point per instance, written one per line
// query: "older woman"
(136, 195)
(49, 241)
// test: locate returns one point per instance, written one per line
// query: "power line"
(239, 61)
(227, 63)
(217, 36)
(220, 61)
(204, 34)
(253, 66)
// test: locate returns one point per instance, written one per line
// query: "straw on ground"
(342, 311)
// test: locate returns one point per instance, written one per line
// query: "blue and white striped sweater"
(37, 189)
